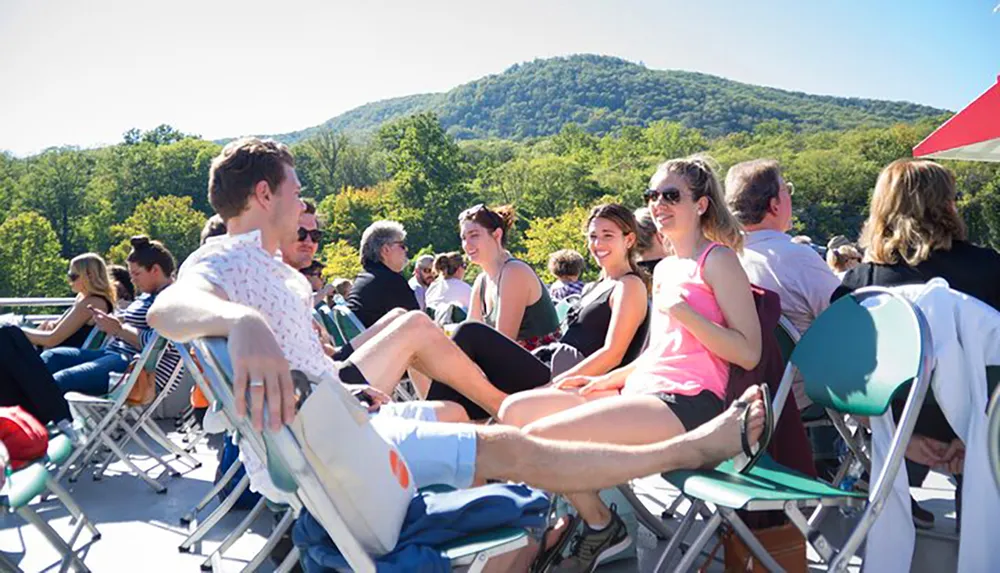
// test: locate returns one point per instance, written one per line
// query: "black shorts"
(692, 411)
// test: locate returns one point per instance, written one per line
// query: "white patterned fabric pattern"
(249, 275)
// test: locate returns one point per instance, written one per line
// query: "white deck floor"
(141, 531)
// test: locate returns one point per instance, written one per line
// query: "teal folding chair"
(348, 323)
(21, 488)
(96, 340)
(890, 348)
(290, 471)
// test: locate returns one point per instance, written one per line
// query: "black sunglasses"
(316, 235)
(72, 276)
(671, 195)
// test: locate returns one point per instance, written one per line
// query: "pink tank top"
(676, 362)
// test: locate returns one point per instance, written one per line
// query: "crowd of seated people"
(567, 266)
(606, 330)
(38, 382)
(235, 287)
(633, 383)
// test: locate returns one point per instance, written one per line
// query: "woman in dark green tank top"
(508, 295)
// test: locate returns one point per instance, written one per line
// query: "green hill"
(603, 93)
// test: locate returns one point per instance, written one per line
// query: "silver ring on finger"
(256, 383)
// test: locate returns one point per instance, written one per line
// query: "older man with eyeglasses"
(381, 286)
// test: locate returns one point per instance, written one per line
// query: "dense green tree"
(428, 175)
(549, 234)
(54, 186)
(168, 219)
(29, 258)
(342, 260)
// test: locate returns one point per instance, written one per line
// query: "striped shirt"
(560, 290)
(135, 316)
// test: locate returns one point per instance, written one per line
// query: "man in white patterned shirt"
(237, 287)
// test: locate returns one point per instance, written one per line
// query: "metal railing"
(35, 301)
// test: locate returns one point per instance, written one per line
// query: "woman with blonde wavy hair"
(913, 234)
(702, 319)
(90, 281)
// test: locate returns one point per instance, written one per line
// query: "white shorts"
(437, 453)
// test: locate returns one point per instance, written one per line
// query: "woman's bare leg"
(625, 420)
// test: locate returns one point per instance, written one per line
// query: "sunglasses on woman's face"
(316, 235)
(671, 195)
(72, 276)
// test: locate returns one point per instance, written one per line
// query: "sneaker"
(591, 548)
(922, 518)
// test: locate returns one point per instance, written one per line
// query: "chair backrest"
(562, 310)
(788, 337)
(350, 325)
(288, 464)
(993, 436)
(96, 340)
(862, 351)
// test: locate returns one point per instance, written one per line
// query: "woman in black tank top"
(90, 281)
(606, 331)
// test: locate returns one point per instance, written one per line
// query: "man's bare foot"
(718, 439)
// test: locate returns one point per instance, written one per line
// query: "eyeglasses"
(671, 195)
(72, 276)
(402, 245)
(315, 234)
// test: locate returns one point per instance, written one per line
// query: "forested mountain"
(602, 94)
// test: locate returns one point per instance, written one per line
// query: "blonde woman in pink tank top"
(703, 319)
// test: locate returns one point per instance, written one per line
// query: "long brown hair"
(912, 213)
(717, 222)
(626, 223)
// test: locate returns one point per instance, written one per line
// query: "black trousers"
(25, 381)
(505, 363)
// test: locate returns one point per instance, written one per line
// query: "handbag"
(783, 542)
(143, 392)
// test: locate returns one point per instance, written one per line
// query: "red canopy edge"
(972, 134)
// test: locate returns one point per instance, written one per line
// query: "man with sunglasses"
(299, 250)
(381, 286)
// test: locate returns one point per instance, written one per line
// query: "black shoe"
(922, 518)
(591, 548)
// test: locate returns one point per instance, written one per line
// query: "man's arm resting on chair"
(194, 308)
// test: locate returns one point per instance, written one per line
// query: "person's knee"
(451, 412)
(466, 333)
(395, 313)
(513, 410)
(416, 322)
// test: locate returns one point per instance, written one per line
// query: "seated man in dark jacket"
(381, 287)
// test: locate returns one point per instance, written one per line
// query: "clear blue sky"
(82, 72)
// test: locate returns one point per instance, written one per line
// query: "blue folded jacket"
(432, 521)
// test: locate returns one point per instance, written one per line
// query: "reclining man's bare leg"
(413, 340)
(504, 452)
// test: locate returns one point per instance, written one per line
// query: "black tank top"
(587, 326)
(77, 339)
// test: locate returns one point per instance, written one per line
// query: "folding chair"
(890, 346)
(348, 323)
(23, 486)
(96, 340)
(291, 472)
(103, 416)
(993, 433)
